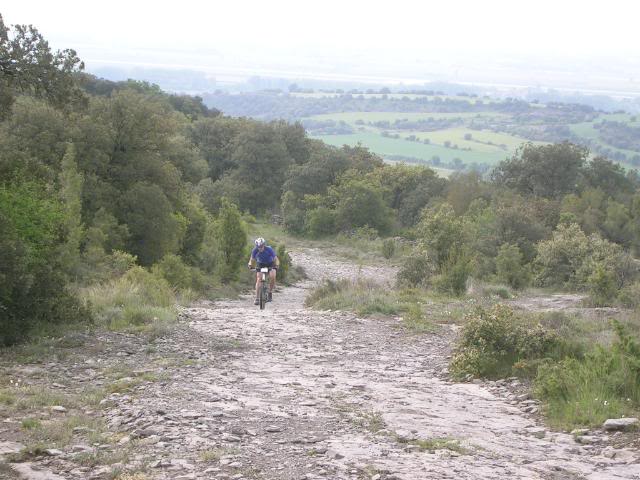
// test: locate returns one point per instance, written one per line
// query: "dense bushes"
(32, 281)
(581, 384)
(510, 267)
(495, 343)
(586, 391)
(137, 300)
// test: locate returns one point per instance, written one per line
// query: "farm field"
(412, 96)
(471, 146)
(352, 117)
(587, 131)
(386, 146)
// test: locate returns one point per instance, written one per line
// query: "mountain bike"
(263, 293)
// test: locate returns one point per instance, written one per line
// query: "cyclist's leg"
(258, 284)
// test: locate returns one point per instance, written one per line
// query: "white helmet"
(259, 242)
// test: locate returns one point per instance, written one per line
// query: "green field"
(480, 146)
(411, 96)
(586, 130)
(391, 146)
(352, 117)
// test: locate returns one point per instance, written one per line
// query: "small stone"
(53, 452)
(191, 415)
(58, 409)
(588, 439)
(620, 424)
(405, 435)
(334, 454)
(81, 448)
(230, 438)
(536, 432)
(273, 429)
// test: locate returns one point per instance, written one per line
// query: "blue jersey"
(267, 256)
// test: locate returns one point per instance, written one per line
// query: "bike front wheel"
(263, 297)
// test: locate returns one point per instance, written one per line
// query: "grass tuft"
(138, 301)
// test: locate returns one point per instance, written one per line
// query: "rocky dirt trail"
(290, 393)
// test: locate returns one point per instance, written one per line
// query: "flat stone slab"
(7, 448)
(620, 424)
(30, 473)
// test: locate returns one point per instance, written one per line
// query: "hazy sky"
(567, 27)
(590, 44)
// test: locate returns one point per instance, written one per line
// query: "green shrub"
(179, 275)
(149, 288)
(365, 233)
(454, 275)
(629, 296)
(33, 285)
(320, 222)
(231, 238)
(285, 263)
(510, 268)
(604, 384)
(138, 298)
(360, 296)
(415, 319)
(570, 259)
(388, 248)
(602, 286)
(497, 291)
(415, 271)
(495, 341)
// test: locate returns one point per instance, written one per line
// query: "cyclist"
(264, 256)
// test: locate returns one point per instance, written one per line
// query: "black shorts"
(262, 265)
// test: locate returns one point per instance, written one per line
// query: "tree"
(561, 257)
(154, 227)
(32, 287)
(545, 170)
(27, 65)
(510, 268)
(607, 176)
(464, 188)
(440, 234)
(359, 203)
(232, 240)
(320, 221)
(569, 259)
(262, 159)
(71, 182)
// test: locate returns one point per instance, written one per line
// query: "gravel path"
(289, 393)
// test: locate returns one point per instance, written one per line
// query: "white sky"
(564, 27)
